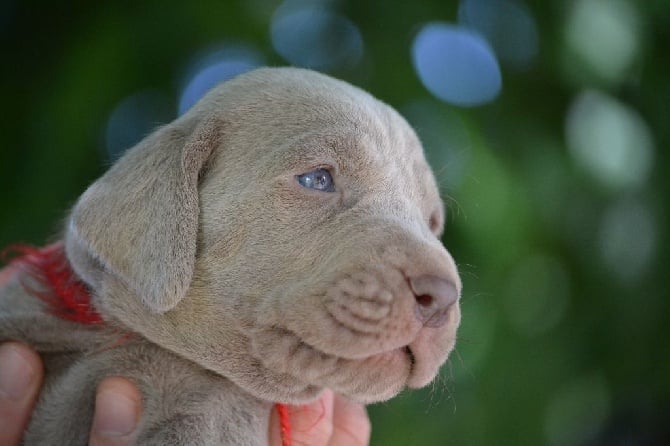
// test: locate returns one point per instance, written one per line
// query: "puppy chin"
(378, 377)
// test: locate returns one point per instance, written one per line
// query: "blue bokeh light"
(508, 26)
(134, 118)
(214, 68)
(456, 65)
(313, 36)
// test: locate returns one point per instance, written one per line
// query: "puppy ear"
(139, 221)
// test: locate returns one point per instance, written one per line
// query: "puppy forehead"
(363, 143)
(290, 101)
(378, 148)
(357, 127)
(305, 116)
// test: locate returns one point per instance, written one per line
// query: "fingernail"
(16, 373)
(115, 414)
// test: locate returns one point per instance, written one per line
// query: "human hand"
(332, 420)
(117, 403)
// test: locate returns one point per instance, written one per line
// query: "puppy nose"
(434, 295)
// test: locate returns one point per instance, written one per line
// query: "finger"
(351, 424)
(275, 435)
(118, 406)
(21, 376)
(311, 424)
(20, 379)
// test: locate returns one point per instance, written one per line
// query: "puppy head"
(283, 233)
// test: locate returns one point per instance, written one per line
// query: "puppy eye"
(319, 179)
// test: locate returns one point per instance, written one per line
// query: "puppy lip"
(407, 350)
(350, 357)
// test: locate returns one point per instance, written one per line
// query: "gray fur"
(242, 288)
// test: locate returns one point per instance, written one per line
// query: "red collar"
(66, 296)
(54, 282)
(284, 424)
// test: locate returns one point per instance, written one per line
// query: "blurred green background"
(556, 181)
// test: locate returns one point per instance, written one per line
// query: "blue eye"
(319, 179)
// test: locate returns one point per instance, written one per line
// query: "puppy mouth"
(374, 377)
(410, 356)
(293, 343)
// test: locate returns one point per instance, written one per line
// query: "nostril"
(434, 295)
(425, 300)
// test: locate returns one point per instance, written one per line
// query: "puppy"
(281, 237)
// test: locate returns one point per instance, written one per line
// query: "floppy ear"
(139, 221)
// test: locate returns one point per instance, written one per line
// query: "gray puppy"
(280, 238)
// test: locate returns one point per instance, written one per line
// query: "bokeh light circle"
(456, 64)
(628, 236)
(538, 293)
(133, 118)
(609, 140)
(313, 36)
(602, 39)
(578, 410)
(507, 25)
(214, 67)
